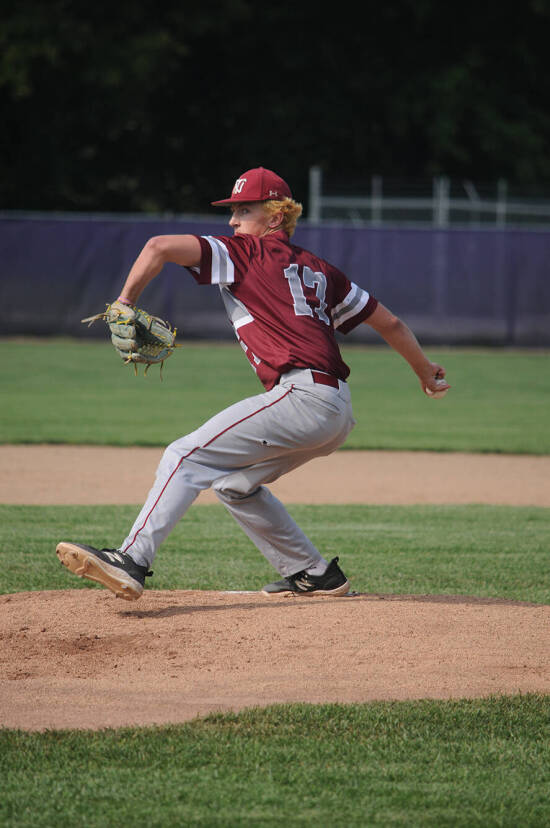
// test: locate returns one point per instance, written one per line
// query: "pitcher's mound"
(81, 659)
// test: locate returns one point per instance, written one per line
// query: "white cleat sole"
(86, 565)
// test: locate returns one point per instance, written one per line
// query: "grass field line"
(86, 475)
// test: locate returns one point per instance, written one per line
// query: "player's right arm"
(182, 250)
(400, 337)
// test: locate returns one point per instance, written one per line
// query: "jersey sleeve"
(223, 260)
(353, 304)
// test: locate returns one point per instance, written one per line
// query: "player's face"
(249, 218)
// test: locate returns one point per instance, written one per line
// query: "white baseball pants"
(236, 453)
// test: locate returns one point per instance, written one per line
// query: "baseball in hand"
(437, 395)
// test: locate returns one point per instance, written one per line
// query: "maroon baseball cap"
(258, 184)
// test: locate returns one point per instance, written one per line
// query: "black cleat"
(109, 567)
(331, 582)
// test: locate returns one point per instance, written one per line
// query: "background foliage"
(159, 106)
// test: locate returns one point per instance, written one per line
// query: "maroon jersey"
(284, 302)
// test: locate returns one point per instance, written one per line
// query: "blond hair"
(290, 209)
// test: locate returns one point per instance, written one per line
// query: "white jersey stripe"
(236, 310)
(353, 303)
(244, 320)
(223, 270)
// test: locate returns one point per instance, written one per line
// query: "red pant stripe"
(216, 436)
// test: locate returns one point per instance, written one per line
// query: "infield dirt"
(82, 659)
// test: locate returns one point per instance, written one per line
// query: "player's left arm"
(400, 337)
(183, 250)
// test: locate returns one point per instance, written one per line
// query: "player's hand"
(433, 379)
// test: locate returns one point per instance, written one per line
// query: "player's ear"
(275, 220)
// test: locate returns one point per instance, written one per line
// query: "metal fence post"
(441, 201)
(315, 189)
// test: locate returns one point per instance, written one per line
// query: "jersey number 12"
(311, 279)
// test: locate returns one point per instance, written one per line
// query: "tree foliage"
(158, 106)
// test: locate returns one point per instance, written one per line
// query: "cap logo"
(239, 184)
(273, 193)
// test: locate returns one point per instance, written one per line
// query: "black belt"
(324, 379)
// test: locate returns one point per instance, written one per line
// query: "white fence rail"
(437, 210)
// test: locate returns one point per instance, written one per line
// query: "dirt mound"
(82, 659)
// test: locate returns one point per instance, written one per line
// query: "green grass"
(80, 392)
(465, 763)
(493, 551)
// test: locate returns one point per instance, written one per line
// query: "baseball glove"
(136, 335)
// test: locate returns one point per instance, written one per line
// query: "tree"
(155, 106)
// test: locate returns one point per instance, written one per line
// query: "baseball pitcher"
(285, 305)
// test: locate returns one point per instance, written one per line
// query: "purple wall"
(454, 286)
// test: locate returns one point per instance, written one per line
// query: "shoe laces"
(302, 580)
(125, 555)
